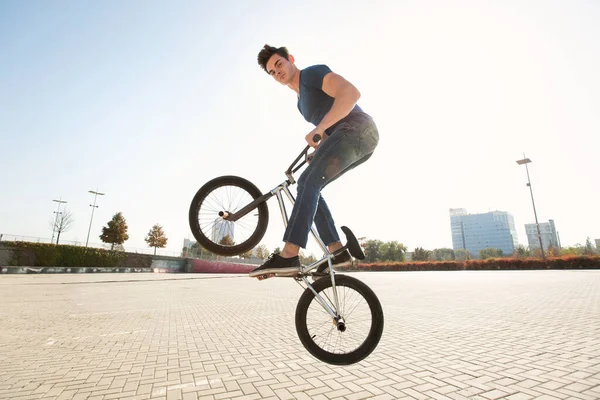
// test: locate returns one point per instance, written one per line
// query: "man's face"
(281, 69)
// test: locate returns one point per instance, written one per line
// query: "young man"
(349, 137)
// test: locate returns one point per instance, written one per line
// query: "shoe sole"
(342, 264)
(290, 271)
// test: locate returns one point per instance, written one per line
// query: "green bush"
(46, 255)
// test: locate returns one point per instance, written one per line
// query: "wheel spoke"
(356, 313)
(227, 198)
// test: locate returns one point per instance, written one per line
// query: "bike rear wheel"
(227, 194)
(324, 337)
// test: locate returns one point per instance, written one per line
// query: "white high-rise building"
(547, 233)
(476, 232)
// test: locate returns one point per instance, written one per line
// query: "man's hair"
(267, 52)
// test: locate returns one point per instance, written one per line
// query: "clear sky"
(148, 100)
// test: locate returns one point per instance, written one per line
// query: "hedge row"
(565, 262)
(44, 255)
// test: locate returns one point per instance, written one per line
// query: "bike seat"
(352, 244)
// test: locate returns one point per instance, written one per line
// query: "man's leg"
(351, 145)
(325, 227)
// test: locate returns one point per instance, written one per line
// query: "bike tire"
(201, 198)
(308, 335)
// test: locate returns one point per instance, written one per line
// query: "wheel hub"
(340, 324)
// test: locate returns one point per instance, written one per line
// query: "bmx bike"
(339, 319)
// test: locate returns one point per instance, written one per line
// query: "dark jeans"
(351, 143)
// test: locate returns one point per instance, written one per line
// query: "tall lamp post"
(61, 201)
(526, 161)
(94, 206)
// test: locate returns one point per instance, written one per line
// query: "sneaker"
(277, 265)
(339, 260)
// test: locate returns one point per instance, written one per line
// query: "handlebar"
(316, 138)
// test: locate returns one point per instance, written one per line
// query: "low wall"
(217, 267)
(169, 265)
(67, 270)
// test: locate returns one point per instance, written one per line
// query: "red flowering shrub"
(564, 262)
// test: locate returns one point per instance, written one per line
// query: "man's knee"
(311, 180)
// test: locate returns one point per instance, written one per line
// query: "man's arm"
(345, 97)
(345, 94)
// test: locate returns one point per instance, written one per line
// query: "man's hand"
(309, 138)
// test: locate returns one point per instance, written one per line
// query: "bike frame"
(279, 192)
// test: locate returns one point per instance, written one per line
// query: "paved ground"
(448, 335)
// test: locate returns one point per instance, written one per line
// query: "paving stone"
(515, 335)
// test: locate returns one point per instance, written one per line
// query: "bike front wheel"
(221, 196)
(353, 335)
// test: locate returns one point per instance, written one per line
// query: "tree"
(185, 252)
(552, 251)
(490, 253)
(536, 252)
(247, 254)
(306, 260)
(576, 250)
(62, 223)
(420, 254)
(156, 238)
(262, 252)
(277, 250)
(371, 249)
(392, 251)
(116, 232)
(443, 254)
(195, 250)
(462, 255)
(227, 241)
(588, 250)
(521, 252)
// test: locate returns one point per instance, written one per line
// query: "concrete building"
(475, 232)
(547, 232)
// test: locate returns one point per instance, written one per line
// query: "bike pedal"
(265, 276)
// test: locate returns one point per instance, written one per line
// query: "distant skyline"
(148, 100)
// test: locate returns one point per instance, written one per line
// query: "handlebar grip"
(316, 137)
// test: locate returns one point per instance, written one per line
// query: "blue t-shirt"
(313, 102)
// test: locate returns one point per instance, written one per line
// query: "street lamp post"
(526, 161)
(61, 201)
(94, 206)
